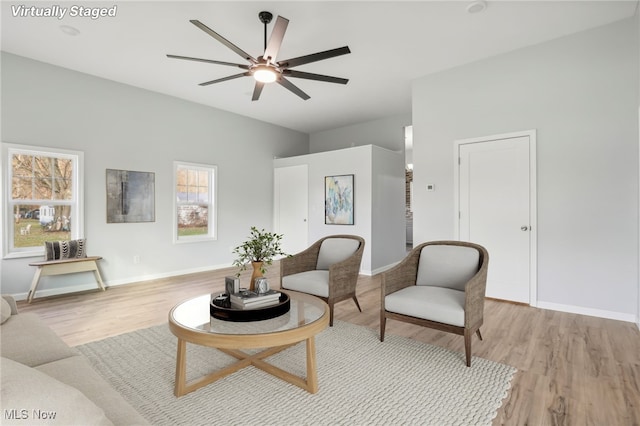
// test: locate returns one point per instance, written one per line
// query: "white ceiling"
(392, 43)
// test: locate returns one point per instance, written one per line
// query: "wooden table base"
(245, 360)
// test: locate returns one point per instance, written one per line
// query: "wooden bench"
(64, 266)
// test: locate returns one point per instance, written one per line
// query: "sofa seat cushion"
(27, 340)
(77, 371)
(431, 303)
(29, 396)
(447, 266)
(334, 250)
(312, 282)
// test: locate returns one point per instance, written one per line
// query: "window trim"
(213, 203)
(77, 210)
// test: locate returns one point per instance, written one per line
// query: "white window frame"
(212, 235)
(77, 201)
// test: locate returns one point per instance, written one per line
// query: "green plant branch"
(262, 246)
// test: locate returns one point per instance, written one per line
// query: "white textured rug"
(362, 382)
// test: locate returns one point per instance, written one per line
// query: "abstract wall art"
(338, 201)
(130, 196)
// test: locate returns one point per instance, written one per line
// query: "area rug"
(362, 382)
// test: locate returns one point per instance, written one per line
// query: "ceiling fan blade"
(257, 90)
(275, 40)
(223, 40)
(314, 57)
(210, 61)
(231, 77)
(318, 77)
(292, 87)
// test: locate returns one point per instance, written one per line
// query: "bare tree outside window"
(42, 197)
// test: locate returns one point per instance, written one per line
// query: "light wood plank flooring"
(572, 369)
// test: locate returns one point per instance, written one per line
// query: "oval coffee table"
(191, 321)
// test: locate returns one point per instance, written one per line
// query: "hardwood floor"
(572, 369)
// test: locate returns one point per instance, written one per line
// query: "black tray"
(257, 314)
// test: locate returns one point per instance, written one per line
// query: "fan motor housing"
(265, 17)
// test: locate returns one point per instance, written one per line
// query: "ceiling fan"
(265, 69)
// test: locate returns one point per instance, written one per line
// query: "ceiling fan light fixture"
(265, 69)
(264, 74)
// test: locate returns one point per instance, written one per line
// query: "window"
(195, 216)
(43, 198)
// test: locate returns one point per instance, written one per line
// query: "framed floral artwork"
(338, 200)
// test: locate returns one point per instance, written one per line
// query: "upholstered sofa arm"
(12, 302)
(402, 275)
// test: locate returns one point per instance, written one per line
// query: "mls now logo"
(16, 414)
(22, 414)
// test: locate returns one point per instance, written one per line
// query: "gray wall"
(386, 132)
(388, 236)
(376, 171)
(122, 127)
(581, 94)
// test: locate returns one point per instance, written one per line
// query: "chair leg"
(467, 346)
(330, 314)
(383, 323)
(478, 333)
(355, 299)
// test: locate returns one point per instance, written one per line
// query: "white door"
(497, 210)
(291, 207)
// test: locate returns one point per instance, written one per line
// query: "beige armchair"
(439, 285)
(328, 269)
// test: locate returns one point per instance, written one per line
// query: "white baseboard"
(384, 268)
(587, 311)
(113, 283)
(58, 290)
(166, 274)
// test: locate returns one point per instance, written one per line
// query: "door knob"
(524, 228)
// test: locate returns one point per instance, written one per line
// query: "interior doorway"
(496, 198)
(291, 207)
(408, 169)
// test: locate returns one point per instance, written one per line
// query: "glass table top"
(194, 314)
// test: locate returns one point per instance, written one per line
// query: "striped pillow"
(54, 250)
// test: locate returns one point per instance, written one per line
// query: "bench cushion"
(447, 266)
(312, 282)
(431, 303)
(334, 250)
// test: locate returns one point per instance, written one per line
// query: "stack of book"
(252, 299)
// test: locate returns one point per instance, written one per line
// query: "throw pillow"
(5, 310)
(55, 250)
(32, 397)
